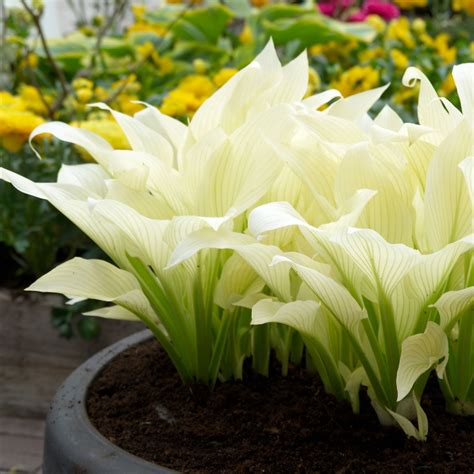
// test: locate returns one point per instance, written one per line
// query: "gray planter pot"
(72, 444)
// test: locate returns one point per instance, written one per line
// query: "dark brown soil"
(280, 425)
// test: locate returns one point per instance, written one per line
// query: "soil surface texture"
(275, 425)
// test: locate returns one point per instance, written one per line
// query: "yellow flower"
(406, 95)
(164, 64)
(418, 26)
(245, 36)
(11, 102)
(107, 129)
(145, 50)
(200, 86)
(463, 5)
(15, 127)
(82, 83)
(125, 103)
(84, 95)
(30, 60)
(190, 93)
(138, 11)
(100, 93)
(128, 84)
(376, 22)
(447, 86)
(441, 44)
(356, 79)
(224, 75)
(399, 59)
(179, 103)
(409, 4)
(399, 29)
(141, 26)
(371, 53)
(32, 98)
(426, 39)
(200, 66)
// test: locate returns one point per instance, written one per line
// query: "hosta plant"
(384, 293)
(321, 226)
(138, 204)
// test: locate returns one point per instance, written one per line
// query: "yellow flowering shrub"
(409, 4)
(224, 75)
(32, 99)
(400, 59)
(106, 128)
(464, 5)
(399, 29)
(356, 79)
(16, 126)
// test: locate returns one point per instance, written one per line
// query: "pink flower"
(357, 16)
(386, 10)
(332, 7)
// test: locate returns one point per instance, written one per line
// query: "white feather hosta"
(398, 293)
(353, 234)
(138, 204)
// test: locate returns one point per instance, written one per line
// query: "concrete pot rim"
(72, 443)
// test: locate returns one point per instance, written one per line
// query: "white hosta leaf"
(90, 177)
(463, 75)
(387, 118)
(72, 201)
(427, 276)
(174, 131)
(258, 256)
(152, 206)
(419, 156)
(228, 107)
(431, 110)
(150, 174)
(205, 239)
(113, 312)
(467, 167)
(379, 168)
(244, 168)
(269, 217)
(197, 158)
(294, 81)
(420, 353)
(146, 233)
(95, 145)
(353, 379)
(448, 207)
(384, 264)
(300, 315)
(328, 128)
(322, 98)
(237, 280)
(355, 106)
(332, 295)
(452, 305)
(141, 137)
(424, 283)
(94, 279)
(407, 426)
(315, 165)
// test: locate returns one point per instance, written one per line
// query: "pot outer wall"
(72, 444)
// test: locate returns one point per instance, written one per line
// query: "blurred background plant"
(173, 57)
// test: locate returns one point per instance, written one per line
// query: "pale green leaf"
(420, 353)
(452, 305)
